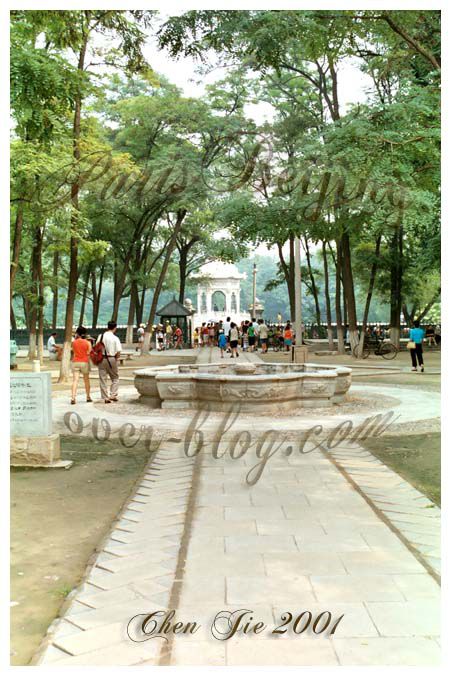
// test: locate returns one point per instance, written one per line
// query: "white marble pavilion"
(218, 293)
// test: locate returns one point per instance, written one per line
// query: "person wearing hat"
(159, 338)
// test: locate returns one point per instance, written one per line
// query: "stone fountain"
(257, 387)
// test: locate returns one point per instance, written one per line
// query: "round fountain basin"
(258, 386)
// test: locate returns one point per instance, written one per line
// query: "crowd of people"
(249, 335)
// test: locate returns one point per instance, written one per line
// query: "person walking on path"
(196, 337)
(178, 338)
(168, 336)
(288, 337)
(429, 336)
(234, 340)
(244, 334)
(211, 334)
(81, 349)
(226, 330)
(255, 325)
(222, 343)
(263, 335)
(416, 337)
(140, 333)
(159, 339)
(108, 368)
(205, 334)
(251, 337)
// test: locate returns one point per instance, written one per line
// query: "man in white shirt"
(263, 335)
(54, 350)
(109, 366)
(226, 327)
(256, 332)
(140, 332)
(51, 347)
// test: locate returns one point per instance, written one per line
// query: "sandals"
(72, 401)
(89, 400)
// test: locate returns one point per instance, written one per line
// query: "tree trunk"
(84, 296)
(349, 290)
(289, 273)
(327, 297)
(313, 284)
(26, 311)
(96, 295)
(427, 308)
(148, 331)
(74, 218)
(12, 318)
(409, 317)
(183, 273)
(140, 306)
(55, 290)
(18, 228)
(32, 335)
(339, 327)
(131, 314)
(396, 284)
(40, 332)
(373, 274)
(41, 296)
(35, 254)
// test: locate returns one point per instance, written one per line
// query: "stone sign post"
(33, 442)
(299, 353)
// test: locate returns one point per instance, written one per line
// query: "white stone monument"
(33, 442)
(218, 293)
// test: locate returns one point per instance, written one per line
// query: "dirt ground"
(57, 518)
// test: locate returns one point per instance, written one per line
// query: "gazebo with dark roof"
(174, 310)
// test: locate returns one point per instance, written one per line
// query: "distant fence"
(22, 335)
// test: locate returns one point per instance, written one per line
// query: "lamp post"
(298, 291)
(254, 291)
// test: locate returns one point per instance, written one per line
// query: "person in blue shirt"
(417, 335)
(222, 343)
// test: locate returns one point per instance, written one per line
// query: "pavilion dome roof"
(220, 270)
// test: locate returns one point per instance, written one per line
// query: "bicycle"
(379, 347)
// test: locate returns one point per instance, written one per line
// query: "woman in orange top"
(81, 349)
(288, 336)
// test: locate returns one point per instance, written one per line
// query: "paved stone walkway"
(335, 532)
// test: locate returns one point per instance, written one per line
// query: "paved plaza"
(319, 532)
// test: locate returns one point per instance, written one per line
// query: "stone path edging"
(144, 536)
(403, 508)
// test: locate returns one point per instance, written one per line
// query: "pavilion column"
(228, 301)
(209, 301)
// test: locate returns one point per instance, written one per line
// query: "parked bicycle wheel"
(388, 351)
(365, 354)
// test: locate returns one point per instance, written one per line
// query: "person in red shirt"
(81, 349)
(178, 338)
(288, 336)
